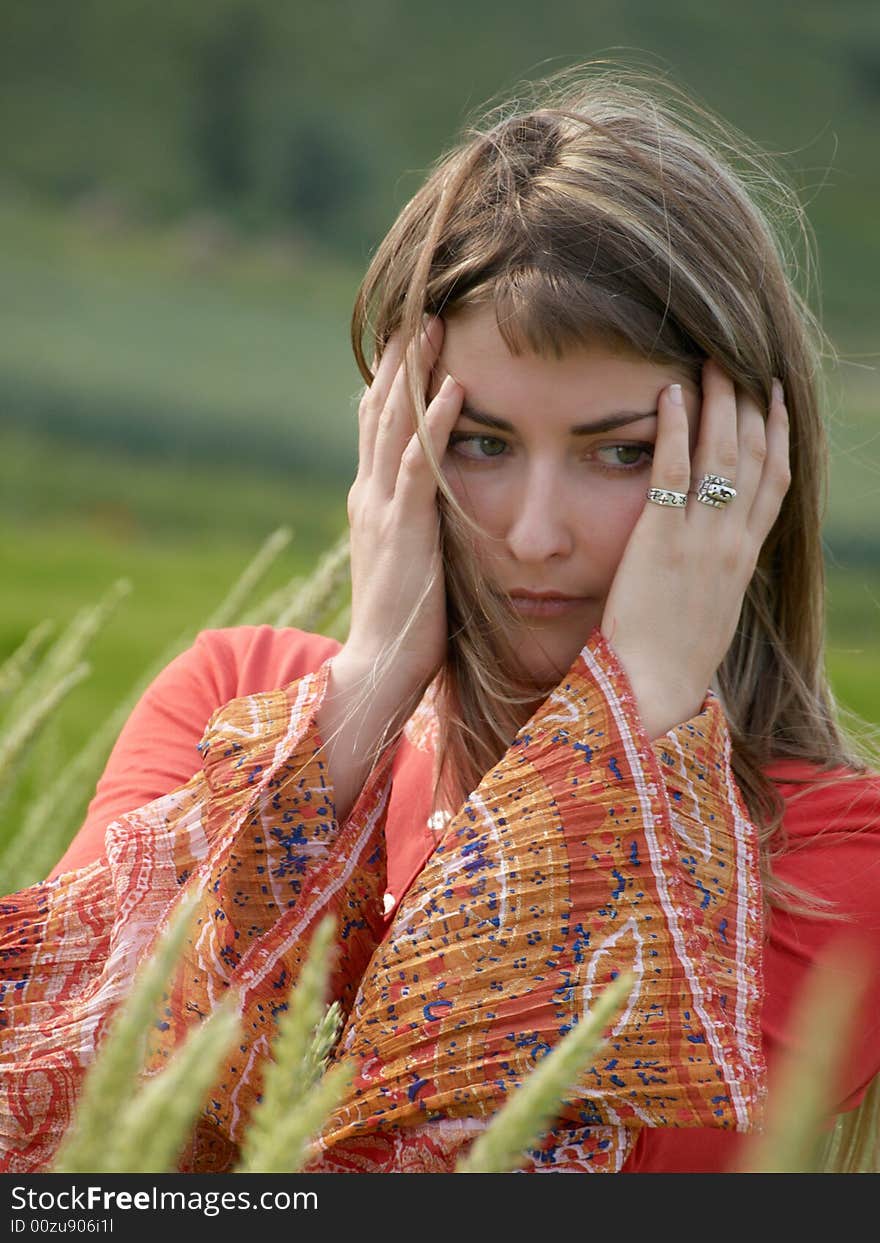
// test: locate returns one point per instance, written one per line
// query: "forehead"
(476, 330)
(589, 379)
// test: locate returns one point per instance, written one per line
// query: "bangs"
(549, 312)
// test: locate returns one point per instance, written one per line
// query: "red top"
(834, 837)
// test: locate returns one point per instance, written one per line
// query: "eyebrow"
(618, 419)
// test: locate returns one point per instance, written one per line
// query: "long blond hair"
(610, 207)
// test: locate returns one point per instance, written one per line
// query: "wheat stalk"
(297, 1093)
(17, 737)
(154, 1125)
(68, 649)
(321, 591)
(110, 1082)
(56, 813)
(228, 610)
(14, 669)
(266, 610)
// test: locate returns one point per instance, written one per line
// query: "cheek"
(606, 523)
(483, 503)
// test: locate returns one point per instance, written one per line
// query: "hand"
(395, 521)
(675, 601)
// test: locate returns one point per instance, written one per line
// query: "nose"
(540, 525)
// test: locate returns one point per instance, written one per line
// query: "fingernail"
(778, 393)
(675, 395)
(450, 384)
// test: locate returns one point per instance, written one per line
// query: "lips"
(524, 594)
(546, 604)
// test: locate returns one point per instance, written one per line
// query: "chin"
(552, 660)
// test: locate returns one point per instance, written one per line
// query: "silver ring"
(716, 491)
(665, 496)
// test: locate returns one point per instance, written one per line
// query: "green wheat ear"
(322, 591)
(298, 1091)
(37, 692)
(155, 1124)
(19, 663)
(54, 815)
(68, 649)
(111, 1082)
(529, 1111)
(228, 611)
(17, 737)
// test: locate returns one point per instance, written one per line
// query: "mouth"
(546, 605)
(524, 593)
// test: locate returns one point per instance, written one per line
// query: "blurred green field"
(181, 539)
(151, 342)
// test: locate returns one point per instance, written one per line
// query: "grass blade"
(321, 591)
(111, 1080)
(227, 612)
(155, 1125)
(306, 1031)
(15, 668)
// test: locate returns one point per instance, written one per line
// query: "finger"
(671, 468)
(392, 356)
(776, 472)
(717, 449)
(440, 418)
(374, 399)
(397, 420)
(752, 454)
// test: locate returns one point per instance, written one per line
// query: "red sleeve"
(157, 749)
(833, 852)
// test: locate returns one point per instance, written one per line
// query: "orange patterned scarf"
(586, 851)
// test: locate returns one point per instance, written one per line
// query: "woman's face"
(557, 504)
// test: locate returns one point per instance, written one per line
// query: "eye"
(632, 453)
(496, 446)
(483, 448)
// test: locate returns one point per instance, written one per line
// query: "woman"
(611, 398)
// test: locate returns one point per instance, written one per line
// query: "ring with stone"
(716, 491)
